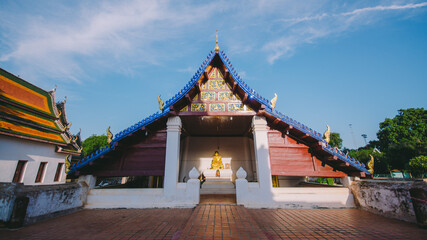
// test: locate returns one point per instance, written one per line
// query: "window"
(19, 172)
(58, 172)
(40, 172)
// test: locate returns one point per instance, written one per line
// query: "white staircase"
(218, 187)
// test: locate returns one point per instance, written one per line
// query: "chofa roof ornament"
(327, 134)
(273, 101)
(161, 103)
(109, 135)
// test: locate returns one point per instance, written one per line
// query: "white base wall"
(295, 197)
(250, 195)
(187, 196)
(13, 149)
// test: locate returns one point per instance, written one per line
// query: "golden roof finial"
(273, 101)
(109, 135)
(216, 45)
(327, 134)
(161, 103)
(371, 164)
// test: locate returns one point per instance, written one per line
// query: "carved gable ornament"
(216, 96)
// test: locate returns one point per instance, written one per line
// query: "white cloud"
(384, 8)
(59, 47)
(303, 30)
(68, 44)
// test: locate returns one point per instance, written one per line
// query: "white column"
(172, 156)
(262, 157)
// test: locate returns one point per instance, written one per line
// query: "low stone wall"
(387, 198)
(43, 201)
(7, 198)
(250, 195)
(186, 195)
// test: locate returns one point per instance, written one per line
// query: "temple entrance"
(217, 146)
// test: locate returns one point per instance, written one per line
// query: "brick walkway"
(332, 224)
(218, 221)
(215, 221)
(107, 224)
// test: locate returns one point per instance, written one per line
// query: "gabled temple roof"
(276, 120)
(29, 112)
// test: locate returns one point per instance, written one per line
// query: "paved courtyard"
(218, 221)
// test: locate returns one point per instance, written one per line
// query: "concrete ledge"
(252, 196)
(124, 198)
(313, 198)
(186, 196)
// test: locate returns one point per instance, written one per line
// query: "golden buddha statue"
(217, 161)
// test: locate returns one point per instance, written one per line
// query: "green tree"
(93, 143)
(362, 154)
(336, 140)
(404, 137)
(418, 165)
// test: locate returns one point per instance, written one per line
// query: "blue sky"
(330, 62)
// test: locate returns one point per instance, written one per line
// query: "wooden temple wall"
(290, 158)
(143, 158)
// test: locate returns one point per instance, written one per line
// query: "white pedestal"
(224, 174)
(218, 185)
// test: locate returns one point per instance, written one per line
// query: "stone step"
(218, 199)
(218, 184)
(218, 191)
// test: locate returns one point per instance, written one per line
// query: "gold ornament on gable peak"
(216, 45)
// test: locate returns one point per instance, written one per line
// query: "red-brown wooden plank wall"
(143, 158)
(290, 158)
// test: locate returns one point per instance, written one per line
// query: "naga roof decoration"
(264, 108)
(29, 112)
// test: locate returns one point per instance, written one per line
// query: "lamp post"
(364, 137)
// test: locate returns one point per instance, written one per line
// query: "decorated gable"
(216, 97)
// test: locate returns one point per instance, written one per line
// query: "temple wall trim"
(251, 195)
(185, 195)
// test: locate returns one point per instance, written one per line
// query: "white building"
(35, 138)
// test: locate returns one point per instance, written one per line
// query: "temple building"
(35, 137)
(218, 136)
